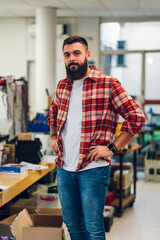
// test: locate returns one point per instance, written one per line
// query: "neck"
(88, 71)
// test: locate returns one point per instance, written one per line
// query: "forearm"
(53, 139)
(122, 140)
(53, 131)
(128, 109)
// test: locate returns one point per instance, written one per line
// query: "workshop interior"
(124, 41)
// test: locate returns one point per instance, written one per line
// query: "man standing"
(83, 119)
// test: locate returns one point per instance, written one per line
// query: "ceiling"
(137, 9)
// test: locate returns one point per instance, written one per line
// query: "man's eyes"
(77, 54)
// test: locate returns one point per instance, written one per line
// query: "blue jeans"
(82, 196)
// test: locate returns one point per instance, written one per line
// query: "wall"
(13, 47)
(17, 47)
(89, 28)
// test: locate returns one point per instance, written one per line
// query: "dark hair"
(75, 39)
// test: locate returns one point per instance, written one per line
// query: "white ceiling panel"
(151, 6)
(87, 8)
(148, 1)
(95, 13)
(83, 4)
(8, 4)
(112, 4)
(125, 6)
(124, 13)
(67, 13)
(44, 3)
(6, 13)
(152, 12)
(23, 12)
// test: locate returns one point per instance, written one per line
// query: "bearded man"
(83, 119)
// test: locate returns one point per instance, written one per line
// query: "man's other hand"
(99, 151)
(54, 144)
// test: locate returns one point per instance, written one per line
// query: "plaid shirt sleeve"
(52, 116)
(127, 108)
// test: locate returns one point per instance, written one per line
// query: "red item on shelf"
(110, 197)
(2, 81)
(47, 198)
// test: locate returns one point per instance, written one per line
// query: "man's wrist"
(53, 134)
(112, 148)
(53, 131)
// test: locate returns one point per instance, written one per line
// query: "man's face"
(76, 59)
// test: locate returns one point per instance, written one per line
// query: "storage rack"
(121, 203)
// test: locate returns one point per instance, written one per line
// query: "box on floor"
(37, 226)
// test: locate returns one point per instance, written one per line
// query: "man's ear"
(88, 55)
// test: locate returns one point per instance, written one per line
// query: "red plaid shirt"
(103, 101)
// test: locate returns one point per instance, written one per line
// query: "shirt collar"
(95, 74)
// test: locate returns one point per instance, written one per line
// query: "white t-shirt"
(71, 132)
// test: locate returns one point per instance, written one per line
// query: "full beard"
(77, 72)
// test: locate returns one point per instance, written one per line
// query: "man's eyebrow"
(66, 53)
(75, 51)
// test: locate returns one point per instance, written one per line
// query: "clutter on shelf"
(152, 166)
(14, 106)
(39, 123)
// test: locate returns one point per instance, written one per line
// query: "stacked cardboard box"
(126, 182)
(37, 222)
(46, 218)
(36, 226)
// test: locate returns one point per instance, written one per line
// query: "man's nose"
(72, 58)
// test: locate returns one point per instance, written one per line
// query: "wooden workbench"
(20, 182)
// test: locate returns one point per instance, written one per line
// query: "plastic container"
(108, 217)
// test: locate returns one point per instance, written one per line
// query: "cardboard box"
(46, 226)
(25, 136)
(10, 150)
(22, 220)
(13, 168)
(8, 221)
(37, 226)
(126, 178)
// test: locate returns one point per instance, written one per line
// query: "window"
(121, 45)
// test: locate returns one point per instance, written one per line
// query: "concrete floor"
(142, 221)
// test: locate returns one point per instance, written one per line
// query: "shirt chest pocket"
(97, 109)
(100, 108)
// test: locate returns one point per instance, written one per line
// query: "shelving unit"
(121, 203)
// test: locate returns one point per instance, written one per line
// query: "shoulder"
(62, 82)
(108, 80)
(100, 77)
